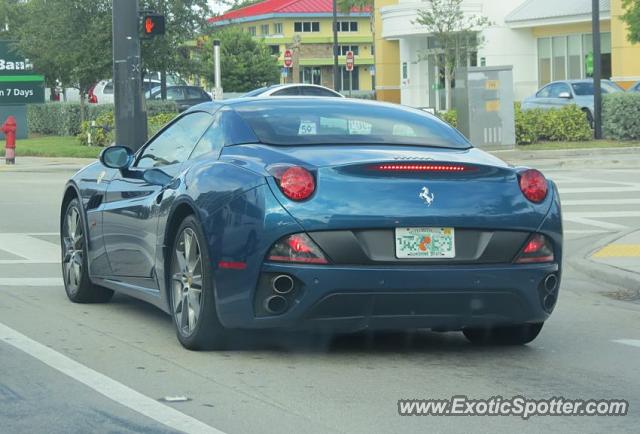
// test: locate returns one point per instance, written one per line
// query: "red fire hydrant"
(9, 129)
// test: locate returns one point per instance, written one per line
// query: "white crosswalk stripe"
(29, 249)
(596, 203)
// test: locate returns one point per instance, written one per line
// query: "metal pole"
(216, 65)
(350, 82)
(336, 70)
(130, 111)
(597, 71)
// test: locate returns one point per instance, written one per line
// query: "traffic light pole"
(597, 71)
(130, 111)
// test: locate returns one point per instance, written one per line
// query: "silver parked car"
(560, 93)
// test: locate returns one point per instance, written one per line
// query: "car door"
(557, 95)
(131, 204)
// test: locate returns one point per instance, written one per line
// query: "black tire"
(509, 335)
(589, 116)
(75, 269)
(206, 332)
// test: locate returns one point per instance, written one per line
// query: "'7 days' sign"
(18, 82)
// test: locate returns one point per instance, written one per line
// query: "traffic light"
(152, 25)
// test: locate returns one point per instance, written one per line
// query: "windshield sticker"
(307, 128)
(359, 127)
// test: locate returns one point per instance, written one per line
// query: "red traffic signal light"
(152, 25)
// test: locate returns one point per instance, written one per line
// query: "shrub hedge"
(63, 119)
(621, 116)
(103, 132)
(568, 124)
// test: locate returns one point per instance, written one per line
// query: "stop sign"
(288, 59)
(349, 61)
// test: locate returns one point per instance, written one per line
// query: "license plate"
(416, 243)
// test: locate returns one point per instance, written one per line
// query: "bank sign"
(19, 84)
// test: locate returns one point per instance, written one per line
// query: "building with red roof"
(305, 28)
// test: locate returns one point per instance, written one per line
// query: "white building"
(543, 40)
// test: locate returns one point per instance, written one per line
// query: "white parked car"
(295, 89)
(102, 92)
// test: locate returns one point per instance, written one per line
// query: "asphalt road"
(108, 368)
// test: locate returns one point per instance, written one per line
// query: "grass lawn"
(546, 146)
(52, 146)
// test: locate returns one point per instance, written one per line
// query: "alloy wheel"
(186, 277)
(73, 249)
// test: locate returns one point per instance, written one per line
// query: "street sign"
(350, 61)
(288, 59)
(19, 84)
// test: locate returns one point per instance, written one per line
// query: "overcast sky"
(217, 6)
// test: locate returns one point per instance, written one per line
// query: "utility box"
(483, 100)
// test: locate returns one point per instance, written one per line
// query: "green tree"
(184, 21)
(632, 18)
(245, 63)
(453, 32)
(69, 41)
(239, 4)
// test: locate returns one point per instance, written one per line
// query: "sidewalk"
(616, 261)
(45, 164)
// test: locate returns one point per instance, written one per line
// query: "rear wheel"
(75, 271)
(191, 284)
(508, 335)
(589, 116)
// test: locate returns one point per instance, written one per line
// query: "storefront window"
(571, 57)
(559, 58)
(544, 61)
(575, 57)
(310, 75)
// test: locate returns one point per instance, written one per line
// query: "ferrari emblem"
(426, 196)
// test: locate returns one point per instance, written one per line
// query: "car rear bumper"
(393, 298)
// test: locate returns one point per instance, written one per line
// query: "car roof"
(280, 101)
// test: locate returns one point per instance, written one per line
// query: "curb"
(602, 272)
(555, 153)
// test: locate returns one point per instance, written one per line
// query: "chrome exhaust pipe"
(282, 284)
(276, 304)
(551, 283)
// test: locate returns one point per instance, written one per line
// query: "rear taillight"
(533, 185)
(297, 248)
(413, 167)
(296, 182)
(537, 249)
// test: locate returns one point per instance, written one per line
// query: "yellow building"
(544, 41)
(305, 28)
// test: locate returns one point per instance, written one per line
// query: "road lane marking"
(596, 223)
(630, 342)
(30, 248)
(31, 281)
(577, 190)
(104, 385)
(27, 261)
(600, 202)
(602, 214)
(618, 251)
(584, 231)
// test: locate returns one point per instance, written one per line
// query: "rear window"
(310, 123)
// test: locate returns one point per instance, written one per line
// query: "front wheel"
(75, 270)
(508, 335)
(192, 294)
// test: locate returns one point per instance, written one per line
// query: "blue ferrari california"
(315, 213)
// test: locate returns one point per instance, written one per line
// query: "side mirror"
(159, 177)
(565, 95)
(117, 157)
